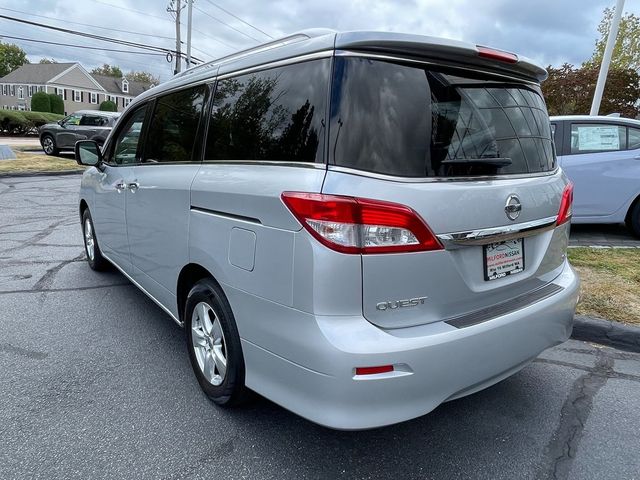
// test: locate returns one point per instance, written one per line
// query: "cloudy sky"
(549, 31)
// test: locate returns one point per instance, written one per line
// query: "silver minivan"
(358, 226)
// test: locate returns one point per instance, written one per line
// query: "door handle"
(120, 186)
(133, 186)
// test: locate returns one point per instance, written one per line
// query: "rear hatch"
(471, 153)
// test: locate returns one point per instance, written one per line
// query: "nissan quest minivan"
(358, 226)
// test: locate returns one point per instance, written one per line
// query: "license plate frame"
(512, 264)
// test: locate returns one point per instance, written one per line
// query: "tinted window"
(94, 121)
(275, 115)
(173, 127)
(634, 138)
(415, 122)
(73, 119)
(125, 151)
(597, 137)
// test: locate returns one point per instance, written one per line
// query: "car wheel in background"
(49, 145)
(633, 219)
(92, 250)
(214, 344)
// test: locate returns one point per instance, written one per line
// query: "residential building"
(79, 89)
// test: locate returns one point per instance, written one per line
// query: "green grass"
(30, 163)
(610, 282)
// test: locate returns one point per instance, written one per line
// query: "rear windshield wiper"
(495, 162)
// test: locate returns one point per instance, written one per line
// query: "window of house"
(127, 101)
(77, 96)
(20, 93)
(32, 90)
(5, 89)
(13, 90)
(93, 98)
(41, 88)
(597, 137)
(173, 127)
(274, 114)
(125, 86)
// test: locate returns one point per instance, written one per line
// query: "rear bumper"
(434, 362)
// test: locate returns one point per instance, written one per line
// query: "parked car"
(601, 155)
(81, 125)
(346, 223)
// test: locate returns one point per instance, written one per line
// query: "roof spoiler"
(451, 52)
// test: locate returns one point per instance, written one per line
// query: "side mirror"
(88, 153)
(61, 123)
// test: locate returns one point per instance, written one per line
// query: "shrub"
(21, 123)
(40, 102)
(108, 106)
(57, 104)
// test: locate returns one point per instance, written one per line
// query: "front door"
(113, 189)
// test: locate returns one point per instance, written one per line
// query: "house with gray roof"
(79, 89)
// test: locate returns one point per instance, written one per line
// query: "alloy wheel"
(208, 343)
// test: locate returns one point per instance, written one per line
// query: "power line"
(238, 18)
(95, 37)
(83, 46)
(86, 24)
(146, 14)
(226, 24)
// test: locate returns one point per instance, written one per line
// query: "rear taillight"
(499, 55)
(361, 225)
(566, 205)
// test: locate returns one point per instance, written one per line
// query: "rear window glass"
(410, 121)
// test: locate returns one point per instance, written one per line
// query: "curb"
(42, 174)
(606, 332)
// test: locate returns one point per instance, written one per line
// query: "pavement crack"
(47, 279)
(24, 352)
(561, 450)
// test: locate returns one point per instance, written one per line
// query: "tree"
(108, 70)
(57, 103)
(626, 51)
(47, 60)
(11, 57)
(40, 102)
(108, 106)
(144, 77)
(569, 91)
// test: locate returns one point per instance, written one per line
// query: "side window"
(173, 127)
(597, 137)
(276, 115)
(93, 121)
(73, 119)
(634, 138)
(125, 151)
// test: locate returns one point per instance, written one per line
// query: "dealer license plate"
(504, 258)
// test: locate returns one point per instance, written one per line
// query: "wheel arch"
(189, 275)
(83, 206)
(633, 204)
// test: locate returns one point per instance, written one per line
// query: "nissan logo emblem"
(513, 207)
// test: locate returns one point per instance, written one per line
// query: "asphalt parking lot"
(95, 383)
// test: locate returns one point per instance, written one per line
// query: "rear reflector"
(374, 370)
(361, 225)
(566, 205)
(499, 55)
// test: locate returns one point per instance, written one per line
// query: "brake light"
(361, 225)
(566, 205)
(499, 55)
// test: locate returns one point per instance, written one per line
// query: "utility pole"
(189, 15)
(177, 10)
(606, 58)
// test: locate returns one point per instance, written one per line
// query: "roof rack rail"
(278, 42)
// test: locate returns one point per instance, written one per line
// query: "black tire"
(231, 391)
(633, 219)
(49, 145)
(98, 262)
